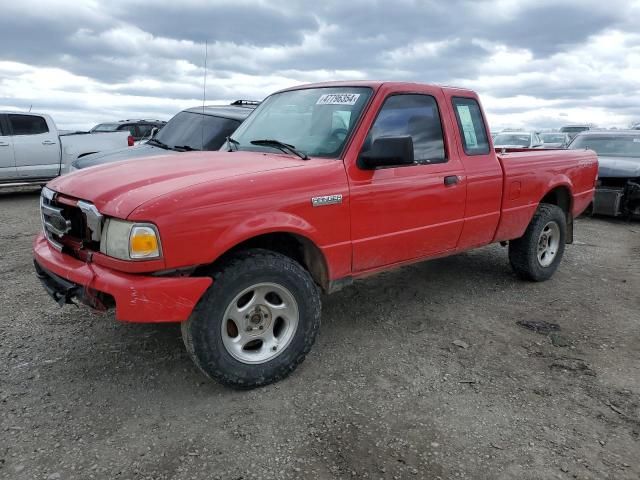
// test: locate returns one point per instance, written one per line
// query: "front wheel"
(536, 255)
(256, 323)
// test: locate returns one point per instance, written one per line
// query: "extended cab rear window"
(471, 125)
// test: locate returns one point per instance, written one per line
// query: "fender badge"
(326, 200)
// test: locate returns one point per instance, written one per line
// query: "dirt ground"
(385, 392)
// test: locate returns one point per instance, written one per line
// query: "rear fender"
(516, 218)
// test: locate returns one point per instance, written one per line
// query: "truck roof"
(235, 112)
(19, 112)
(376, 84)
(611, 133)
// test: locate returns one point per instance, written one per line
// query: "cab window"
(471, 126)
(411, 115)
(144, 130)
(131, 128)
(27, 124)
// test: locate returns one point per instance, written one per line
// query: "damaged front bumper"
(64, 292)
(137, 298)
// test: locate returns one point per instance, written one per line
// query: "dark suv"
(139, 129)
(198, 128)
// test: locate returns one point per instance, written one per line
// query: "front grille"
(69, 223)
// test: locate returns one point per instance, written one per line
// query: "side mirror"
(387, 152)
(154, 130)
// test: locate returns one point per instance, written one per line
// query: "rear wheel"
(536, 255)
(256, 323)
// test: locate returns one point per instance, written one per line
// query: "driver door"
(408, 212)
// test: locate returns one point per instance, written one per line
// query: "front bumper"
(138, 298)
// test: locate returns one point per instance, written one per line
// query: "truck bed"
(530, 174)
(77, 144)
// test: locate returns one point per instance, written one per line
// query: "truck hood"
(126, 153)
(116, 189)
(618, 167)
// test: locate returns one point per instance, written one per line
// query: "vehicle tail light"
(130, 140)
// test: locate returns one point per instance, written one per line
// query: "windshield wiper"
(186, 148)
(285, 147)
(234, 142)
(154, 141)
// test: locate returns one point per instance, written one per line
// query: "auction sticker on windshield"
(338, 99)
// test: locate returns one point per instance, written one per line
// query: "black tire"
(202, 333)
(523, 252)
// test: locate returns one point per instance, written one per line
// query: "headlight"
(130, 241)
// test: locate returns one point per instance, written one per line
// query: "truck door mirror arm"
(387, 152)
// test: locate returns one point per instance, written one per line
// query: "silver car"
(517, 140)
(555, 140)
(573, 130)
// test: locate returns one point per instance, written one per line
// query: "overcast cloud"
(535, 63)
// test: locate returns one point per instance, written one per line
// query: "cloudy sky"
(536, 63)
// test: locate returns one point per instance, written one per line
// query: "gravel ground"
(385, 393)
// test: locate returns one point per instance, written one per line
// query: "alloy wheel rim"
(548, 244)
(259, 323)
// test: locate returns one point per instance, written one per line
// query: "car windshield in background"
(106, 127)
(573, 129)
(196, 131)
(315, 121)
(521, 140)
(552, 138)
(609, 145)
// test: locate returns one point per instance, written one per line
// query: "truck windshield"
(106, 127)
(609, 145)
(315, 121)
(195, 131)
(573, 129)
(552, 137)
(519, 139)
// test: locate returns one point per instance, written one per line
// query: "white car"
(33, 151)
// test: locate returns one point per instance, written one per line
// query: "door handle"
(48, 142)
(4, 144)
(451, 180)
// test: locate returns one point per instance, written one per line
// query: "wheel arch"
(292, 244)
(561, 196)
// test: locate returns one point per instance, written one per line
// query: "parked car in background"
(555, 140)
(323, 184)
(198, 128)
(517, 140)
(33, 151)
(138, 129)
(618, 190)
(573, 130)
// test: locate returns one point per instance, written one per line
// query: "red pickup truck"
(321, 185)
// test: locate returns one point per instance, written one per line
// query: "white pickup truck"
(33, 151)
